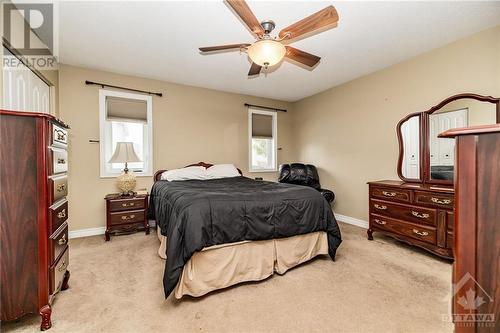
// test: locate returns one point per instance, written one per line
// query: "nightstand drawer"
(126, 204)
(58, 242)
(58, 214)
(58, 270)
(131, 216)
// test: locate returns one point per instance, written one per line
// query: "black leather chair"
(303, 174)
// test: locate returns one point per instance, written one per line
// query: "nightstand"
(126, 214)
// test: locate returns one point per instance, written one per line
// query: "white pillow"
(192, 172)
(222, 171)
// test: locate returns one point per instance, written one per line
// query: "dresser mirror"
(423, 157)
(410, 135)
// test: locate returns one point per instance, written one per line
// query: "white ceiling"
(160, 40)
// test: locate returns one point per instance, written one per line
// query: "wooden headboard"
(158, 173)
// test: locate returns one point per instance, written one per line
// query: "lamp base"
(126, 183)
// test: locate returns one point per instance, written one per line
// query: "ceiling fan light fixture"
(266, 52)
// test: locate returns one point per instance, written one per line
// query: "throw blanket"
(194, 214)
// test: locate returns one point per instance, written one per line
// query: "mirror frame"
(424, 145)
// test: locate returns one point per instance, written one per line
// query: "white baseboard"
(95, 231)
(87, 232)
(351, 220)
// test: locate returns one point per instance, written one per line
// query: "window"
(126, 117)
(262, 139)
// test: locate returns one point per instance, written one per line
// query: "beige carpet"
(378, 286)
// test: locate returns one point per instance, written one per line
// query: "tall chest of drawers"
(418, 214)
(34, 210)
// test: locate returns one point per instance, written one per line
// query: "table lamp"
(125, 153)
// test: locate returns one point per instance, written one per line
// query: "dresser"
(476, 270)
(418, 214)
(126, 214)
(34, 212)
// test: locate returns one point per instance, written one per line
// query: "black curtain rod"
(124, 88)
(264, 107)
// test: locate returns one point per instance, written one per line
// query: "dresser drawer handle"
(63, 240)
(380, 206)
(420, 233)
(62, 214)
(131, 204)
(61, 161)
(389, 194)
(128, 217)
(61, 187)
(63, 266)
(381, 222)
(441, 201)
(60, 135)
(420, 215)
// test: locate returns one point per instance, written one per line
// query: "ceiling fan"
(268, 51)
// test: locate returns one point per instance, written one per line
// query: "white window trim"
(274, 115)
(103, 93)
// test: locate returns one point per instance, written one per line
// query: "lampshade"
(124, 152)
(266, 52)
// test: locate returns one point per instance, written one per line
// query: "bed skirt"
(220, 266)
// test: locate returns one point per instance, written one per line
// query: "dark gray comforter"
(195, 214)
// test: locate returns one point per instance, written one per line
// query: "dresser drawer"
(57, 242)
(390, 194)
(126, 204)
(405, 213)
(58, 270)
(58, 158)
(440, 200)
(59, 136)
(58, 214)
(449, 240)
(132, 216)
(58, 186)
(422, 233)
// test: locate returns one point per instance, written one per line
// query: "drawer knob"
(63, 266)
(389, 194)
(62, 214)
(129, 217)
(131, 204)
(63, 240)
(380, 206)
(61, 187)
(420, 215)
(420, 233)
(381, 222)
(441, 201)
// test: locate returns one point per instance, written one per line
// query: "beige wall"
(189, 125)
(349, 131)
(478, 113)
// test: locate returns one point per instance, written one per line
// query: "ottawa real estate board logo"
(28, 35)
(473, 307)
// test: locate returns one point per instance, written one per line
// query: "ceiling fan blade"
(254, 69)
(324, 18)
(245, 13)
(301, 56)
(223, 47)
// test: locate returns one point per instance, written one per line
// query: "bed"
(219, 232)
